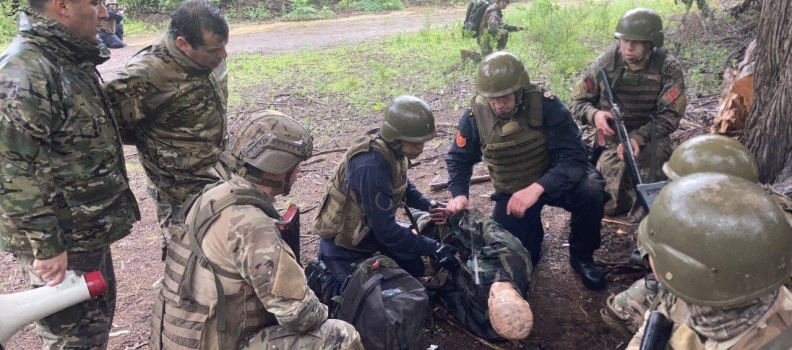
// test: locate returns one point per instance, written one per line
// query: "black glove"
(445, 257)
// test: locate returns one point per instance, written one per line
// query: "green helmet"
(717, 240)
(408, 118)
(501, 73)
(712, 153)
(640, 24)
(268, 141)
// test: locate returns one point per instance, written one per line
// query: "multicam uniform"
(493, 29)
(656, 92)
(174, 110)
(267, 302)
(63, 185)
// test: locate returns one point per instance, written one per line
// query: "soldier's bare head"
(201, 32)
(80, 16)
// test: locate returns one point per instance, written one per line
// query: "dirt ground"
(566, 314)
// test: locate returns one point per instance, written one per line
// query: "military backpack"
(386, 305)
(473, 16)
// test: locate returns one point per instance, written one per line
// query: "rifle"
(657, 332)
(289, 227)
(646, 193)
(598, 147)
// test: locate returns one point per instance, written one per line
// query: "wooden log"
(440, 182)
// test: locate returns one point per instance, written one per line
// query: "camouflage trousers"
(499, 257)
(86, 325)
(331, 335)
(628, 308)
(485, 41)
(617, 178)
(166, 212)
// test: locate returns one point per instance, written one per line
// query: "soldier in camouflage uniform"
(492, 28)
(535, 156)
(707, 153)
(648, 84)
(64, 191)
(494, 308)
(170, 101)
(231, 281)
(719, 245)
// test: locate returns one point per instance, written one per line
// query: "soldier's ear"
(62, 7)
(183, 45)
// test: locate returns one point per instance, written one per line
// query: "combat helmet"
(712, 153)
(717, 240)
(408, 118)
(111, 2)
(501, 73)
(268, 142)
(640, 24)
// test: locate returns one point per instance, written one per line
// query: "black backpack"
(386, 305)
(473, 16)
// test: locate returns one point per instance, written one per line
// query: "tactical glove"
(445, 257)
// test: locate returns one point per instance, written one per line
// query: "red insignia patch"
(672, 94)
(589, 85)
(460, 141)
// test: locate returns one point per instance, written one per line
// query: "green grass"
(7, 25)
(133, 26)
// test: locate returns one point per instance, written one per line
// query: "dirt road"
(290, 36)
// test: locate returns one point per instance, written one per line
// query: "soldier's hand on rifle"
(53, 269)
(445, 256)
(620, 149)
(439, 214)
(457, 204)
(601, 122)
(523, 199)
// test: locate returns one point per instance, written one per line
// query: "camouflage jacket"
(263, 283)
(174, 110)
(63, 184)
(776, 320)
(493, 22)
(658, 90)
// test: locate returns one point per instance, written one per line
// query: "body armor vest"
(341, 218)
(636, 92)
(108, 25)
(514, 149)
(188, 324)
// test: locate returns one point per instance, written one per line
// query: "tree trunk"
(768, 132)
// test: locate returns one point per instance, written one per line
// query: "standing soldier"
(369, 185)
(232, 282)
(648, 84)
(719, 246)
(492, 28)
(535, 157)
(170, 101)
(64, 191)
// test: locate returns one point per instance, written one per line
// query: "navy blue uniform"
(570, 182)
(112, 40)
(370, 177)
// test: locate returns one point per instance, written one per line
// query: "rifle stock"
(289, 227)
(657, 332)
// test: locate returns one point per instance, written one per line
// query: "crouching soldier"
(231, 281)
(486, 294)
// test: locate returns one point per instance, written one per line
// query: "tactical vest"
(636, 92)
(340, 217)
(178, 321)
(514, 149)
(108, 25)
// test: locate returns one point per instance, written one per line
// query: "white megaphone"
(20, 309)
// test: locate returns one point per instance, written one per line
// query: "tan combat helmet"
(712, 153)
(717, 240)
(268, 142)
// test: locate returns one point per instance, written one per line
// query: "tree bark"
(768, 131)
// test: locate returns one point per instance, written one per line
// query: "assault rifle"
(657, 332)
(289, 227)
(646, 193)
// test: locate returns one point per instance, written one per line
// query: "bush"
(303, 11)
(7, 25)
(378, 5)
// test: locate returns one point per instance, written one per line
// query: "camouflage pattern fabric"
(331, 335)
(747, 327)
(84, 326)
(263, 283)
(492, 31)
(174, 111)
(629, 306)
(502, 258)
(63, 184)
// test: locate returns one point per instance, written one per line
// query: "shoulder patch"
(672, 94)
(460, 140)
(589, 85)
(549, 95)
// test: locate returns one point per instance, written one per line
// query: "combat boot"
(590, 272)
(509, 314)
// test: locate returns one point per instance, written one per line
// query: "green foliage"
(133, 26)
(258, 12)
(7, 25)
(378, 5)
(302, 10)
